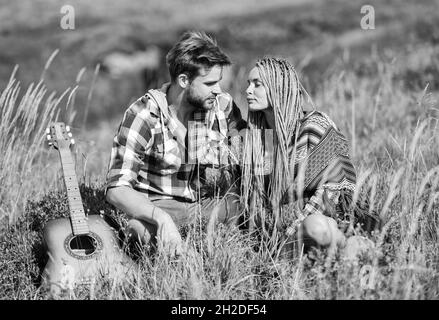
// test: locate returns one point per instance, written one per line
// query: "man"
(167, 138)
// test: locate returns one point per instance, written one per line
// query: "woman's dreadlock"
(284, 95)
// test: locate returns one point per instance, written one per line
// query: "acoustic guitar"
(80, 248)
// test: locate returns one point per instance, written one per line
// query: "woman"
(300, 177)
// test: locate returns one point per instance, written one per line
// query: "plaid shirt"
(149, 150)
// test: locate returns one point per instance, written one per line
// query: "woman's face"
(256, 94)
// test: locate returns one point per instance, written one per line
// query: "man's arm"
(135, 205)
(130, 144)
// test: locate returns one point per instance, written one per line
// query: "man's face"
(202, 91)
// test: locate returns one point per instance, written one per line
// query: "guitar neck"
(77, 215)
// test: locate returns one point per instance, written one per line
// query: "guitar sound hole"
(83, 245)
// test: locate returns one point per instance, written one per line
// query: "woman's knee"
(317, 227)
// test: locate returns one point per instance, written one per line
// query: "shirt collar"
(175, 126)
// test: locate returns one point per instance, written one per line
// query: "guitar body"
(82, 258)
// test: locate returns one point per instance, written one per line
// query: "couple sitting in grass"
(184, 149)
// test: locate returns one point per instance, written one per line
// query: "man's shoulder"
(145, 108)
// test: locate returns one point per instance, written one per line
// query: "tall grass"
(396, 140)
(23, 165)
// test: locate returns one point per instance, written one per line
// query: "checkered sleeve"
(129, 146)
(315, 203)
(322, 198)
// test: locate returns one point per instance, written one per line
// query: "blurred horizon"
(312, 34)
(320, 38)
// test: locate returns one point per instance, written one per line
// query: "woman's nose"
(249, 90)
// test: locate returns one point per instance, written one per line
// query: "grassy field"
(380, 87)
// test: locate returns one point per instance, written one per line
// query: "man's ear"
(183, 80)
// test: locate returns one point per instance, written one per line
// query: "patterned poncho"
(323, 171)
(323, 151)
(329, 177)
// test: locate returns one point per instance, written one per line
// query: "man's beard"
(198, 102)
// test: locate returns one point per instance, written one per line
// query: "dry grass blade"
(48, 63)
(360, 181)
(393, 191)
(22, 130)
(90, 93)
(426, 180)
(415, 140)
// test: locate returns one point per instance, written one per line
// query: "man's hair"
(194, 50)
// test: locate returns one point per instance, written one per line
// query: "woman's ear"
(183, 80)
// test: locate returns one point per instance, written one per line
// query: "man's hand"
(137, 206)
(168, 236)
